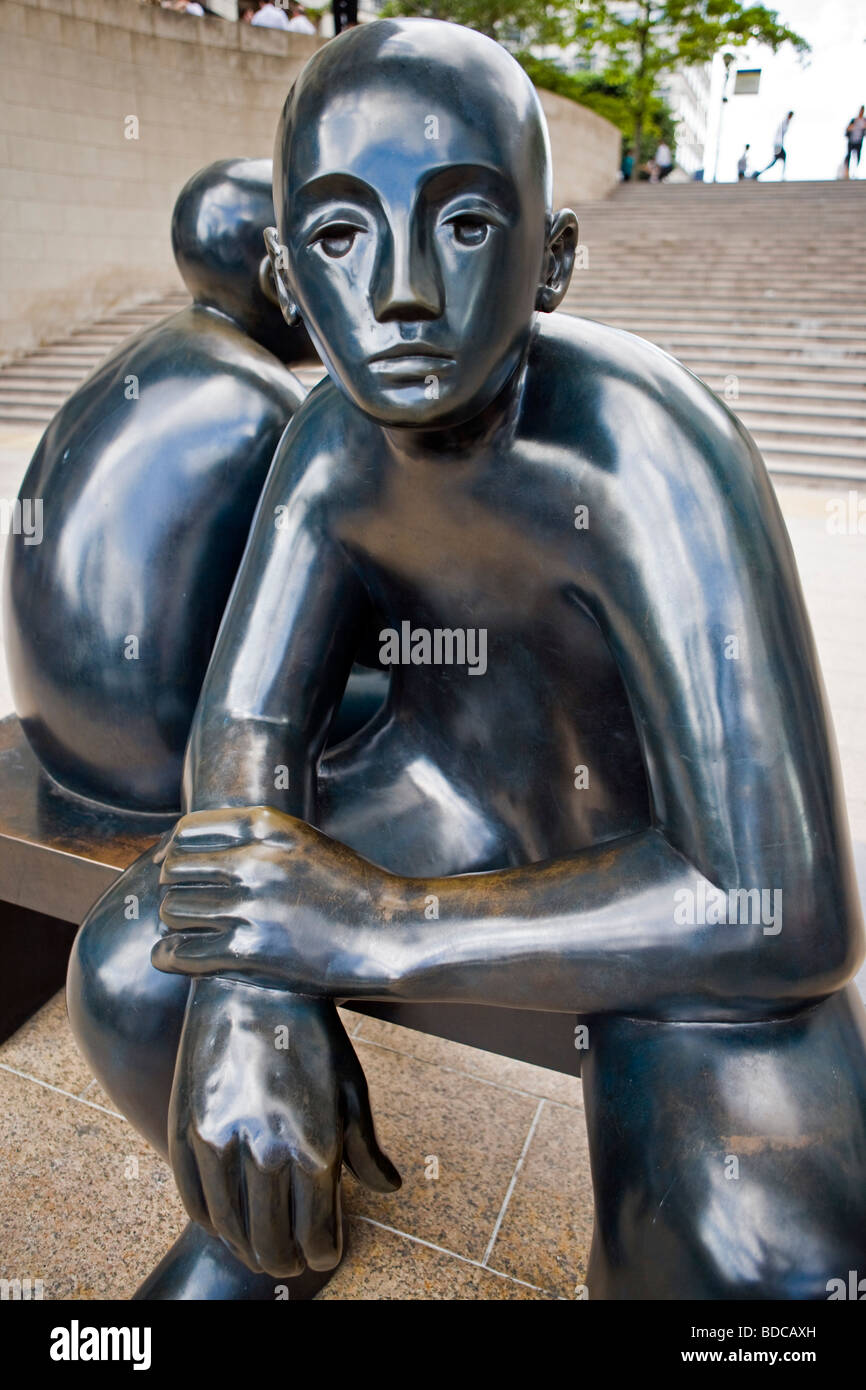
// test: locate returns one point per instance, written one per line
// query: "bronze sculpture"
(634, 811)
(149, 476)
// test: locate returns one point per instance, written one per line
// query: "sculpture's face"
(416, 245)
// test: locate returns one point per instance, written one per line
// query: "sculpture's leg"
(127, 1020)
(728, 1160)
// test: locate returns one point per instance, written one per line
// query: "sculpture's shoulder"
(330, 448)
(624, 405)
(205, 343)
(236, 398)
(194, 348)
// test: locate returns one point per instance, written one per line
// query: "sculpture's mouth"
(411, 365)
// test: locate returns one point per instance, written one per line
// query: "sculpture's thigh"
(728, 1160)
(125, 1015)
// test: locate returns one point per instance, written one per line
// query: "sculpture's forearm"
(609, 930)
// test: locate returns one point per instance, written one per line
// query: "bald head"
(427, 91)
(412, 184)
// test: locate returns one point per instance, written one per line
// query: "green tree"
(644, 40)
(510, 21)
(613, 99)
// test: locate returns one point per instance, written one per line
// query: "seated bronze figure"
(149, 477)
(605, 756)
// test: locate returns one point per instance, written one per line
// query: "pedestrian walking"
(854, 135)
(743, 163)
(779, 151)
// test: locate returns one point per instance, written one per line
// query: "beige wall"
(84, 210)
(585, 149)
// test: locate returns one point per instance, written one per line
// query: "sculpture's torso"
(536, 756)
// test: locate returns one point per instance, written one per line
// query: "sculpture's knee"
(127, 1016)
(727, 1159)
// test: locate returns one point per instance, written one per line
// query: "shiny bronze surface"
(604, 782)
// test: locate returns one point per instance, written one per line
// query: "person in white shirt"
(779, 152)
(269, 16)
(299, 23)
(664, 162)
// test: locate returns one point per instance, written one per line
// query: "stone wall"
(585, 149)
(108, 106)
(85, 193)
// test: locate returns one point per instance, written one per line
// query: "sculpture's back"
(149, 476)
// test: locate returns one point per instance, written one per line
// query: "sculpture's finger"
(198, 952)
(223, 1183)
(186, 1176)
(269, 1218)
(219, 829)
(203, 903)
(317, 1217)
(361, 1152)
(201, 867)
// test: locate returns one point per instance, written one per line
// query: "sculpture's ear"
(273, 277)
(559, 253)
(267, 283)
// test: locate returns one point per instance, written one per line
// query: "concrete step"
(34, 397)
(785, 465)
(34, 414)
(772, 414)
(849, 442)
(694, 308)
(827, 397)
(784, 371)
(801, 355)
(802, 331)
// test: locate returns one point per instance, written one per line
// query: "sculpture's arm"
(284, 1120)
(283, 654)
(688, 570)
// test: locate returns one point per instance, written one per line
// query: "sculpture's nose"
(406, 287)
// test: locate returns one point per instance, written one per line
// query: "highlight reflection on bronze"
(657, 639)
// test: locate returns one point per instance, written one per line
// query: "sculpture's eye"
(469, 229)
(337, 240)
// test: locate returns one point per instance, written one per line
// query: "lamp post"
(727, 59)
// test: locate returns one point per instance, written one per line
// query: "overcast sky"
(824, 93)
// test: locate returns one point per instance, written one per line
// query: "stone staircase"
(759, 288)
(32, 388)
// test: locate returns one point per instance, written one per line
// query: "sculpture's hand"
(254, 894)
(268, 1099)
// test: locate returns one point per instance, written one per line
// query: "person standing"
(854, 135)
(743, 163)
(779, 151)
(664, 161)
(299, 22)
(345, 14)
(268, 16)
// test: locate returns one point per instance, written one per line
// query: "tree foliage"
(634, 44)
(512, 22)
(645, 40)
(610, 97)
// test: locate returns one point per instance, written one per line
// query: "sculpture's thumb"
(361, 1152)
